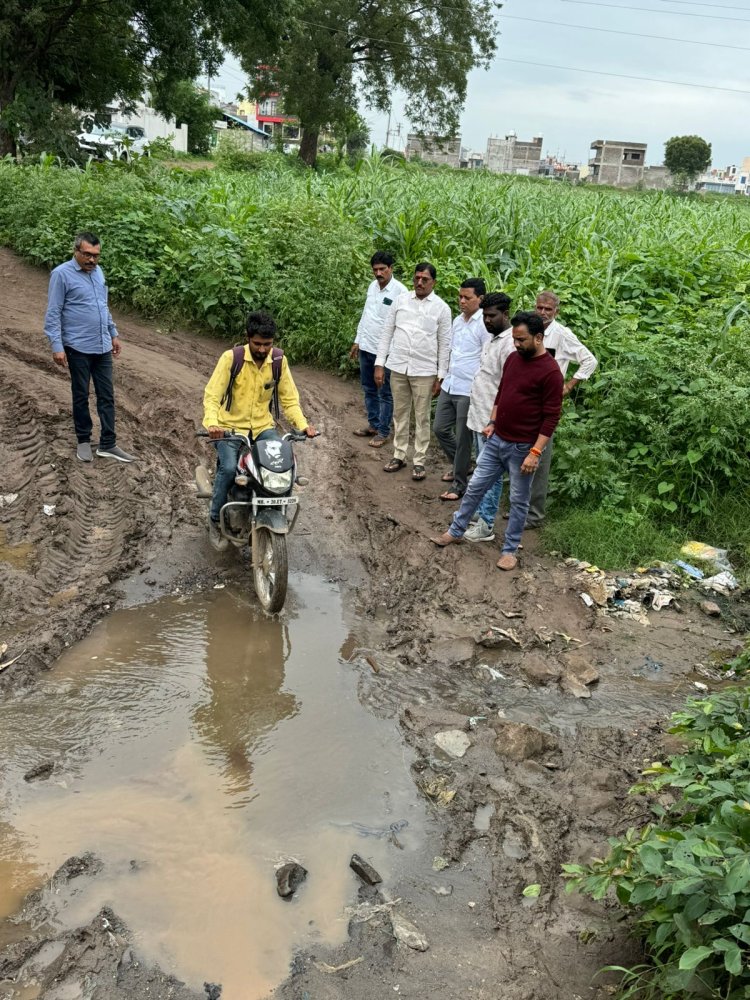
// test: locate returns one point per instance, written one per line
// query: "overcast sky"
(543, 94)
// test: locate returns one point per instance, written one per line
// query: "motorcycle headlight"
(277, 482)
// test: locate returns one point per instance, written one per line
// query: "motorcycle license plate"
(275, 502)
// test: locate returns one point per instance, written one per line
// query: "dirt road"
(549, 769)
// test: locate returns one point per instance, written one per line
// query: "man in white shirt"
(381, 296)
(564, 347)
(414, 345)
(468, 337)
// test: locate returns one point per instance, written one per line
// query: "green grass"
(610, 540)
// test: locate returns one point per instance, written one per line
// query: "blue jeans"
(378, 402)
(498, 457)
(227, 454)
(490, 504)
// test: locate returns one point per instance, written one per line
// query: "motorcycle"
(260, 510)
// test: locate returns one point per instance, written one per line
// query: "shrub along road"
(555, 768)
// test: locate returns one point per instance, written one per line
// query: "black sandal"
(395, 465)
(418, 473)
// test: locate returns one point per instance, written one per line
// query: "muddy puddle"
(196, 745)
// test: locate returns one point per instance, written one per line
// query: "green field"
(653, 451)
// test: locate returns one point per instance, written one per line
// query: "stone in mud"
(365, 870)
(540, 670)
(213, 991)
(495, 639)
(579, 667)
(39, 772)
(518, 742)
(577, 675)
(710, 608)
(454, 742)
(405, 932)
(442, 890)
(289, 878)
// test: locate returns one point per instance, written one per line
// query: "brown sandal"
(447, 477)
(378, 442)
(452, 495)
(395, 465)
(365, 432)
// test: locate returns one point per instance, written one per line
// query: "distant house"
(511, 155)
(145, 123)
(251, 136)
(620, 164)
(443, 151)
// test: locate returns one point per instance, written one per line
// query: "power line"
(650, 10)
(695, 3)
(632, 34)
(537, 64)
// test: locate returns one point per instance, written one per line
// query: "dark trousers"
(454, 436)
(85, 368)
(227, 455)
(378, 402)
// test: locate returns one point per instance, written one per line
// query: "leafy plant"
(685, 877)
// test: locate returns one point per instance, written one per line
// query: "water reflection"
(244, 663)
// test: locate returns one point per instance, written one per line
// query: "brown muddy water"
(197, 744)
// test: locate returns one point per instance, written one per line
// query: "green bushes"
(686, 876)
(655, 285)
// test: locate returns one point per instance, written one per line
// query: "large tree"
(686, 156)
(329, 53)
(88, 53)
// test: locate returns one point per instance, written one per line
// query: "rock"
(405, 932)
(539, 670)
(579, 667)
(289, 878)
(571, 685)
(39, 772)
(710, 608)
(442, 890)
(453, 741)
(518, 742)
(365, 870)
(213, 991)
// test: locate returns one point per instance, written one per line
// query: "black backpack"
(238, 360)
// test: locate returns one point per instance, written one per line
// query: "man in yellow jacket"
(249, 409)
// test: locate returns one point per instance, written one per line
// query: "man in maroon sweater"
(526, 411)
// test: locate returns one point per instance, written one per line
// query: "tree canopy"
(687, 156)
(330, 54)
(89, 53)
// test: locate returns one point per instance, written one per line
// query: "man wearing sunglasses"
(84, 339)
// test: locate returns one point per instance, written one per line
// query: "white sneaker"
(479, 532)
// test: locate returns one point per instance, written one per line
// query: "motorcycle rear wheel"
(270, 569)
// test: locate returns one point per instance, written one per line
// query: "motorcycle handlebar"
(294, 435)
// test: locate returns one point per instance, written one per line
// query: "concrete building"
(440, 150)
(144, 122)
(471, 160)
(511, 155)
(620, 164)
(244, 133)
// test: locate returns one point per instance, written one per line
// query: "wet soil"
(544, 779)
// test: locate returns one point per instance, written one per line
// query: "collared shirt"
(565, 347)
(468, 337)
(77, 311)
(486, 381)
(377, 305)
(416, 336)
(251, 396)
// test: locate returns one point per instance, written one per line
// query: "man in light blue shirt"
(381, 297)
(84, 339)
(468, 337)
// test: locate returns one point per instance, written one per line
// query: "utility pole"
(388, 129)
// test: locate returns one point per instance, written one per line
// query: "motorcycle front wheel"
(270, 569)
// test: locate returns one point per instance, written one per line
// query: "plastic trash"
(723, 582)
(588, 600)
(700, 552)
(48, 509)
(697, 574)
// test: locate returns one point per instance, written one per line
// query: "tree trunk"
(308, 149)
(7, 144)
